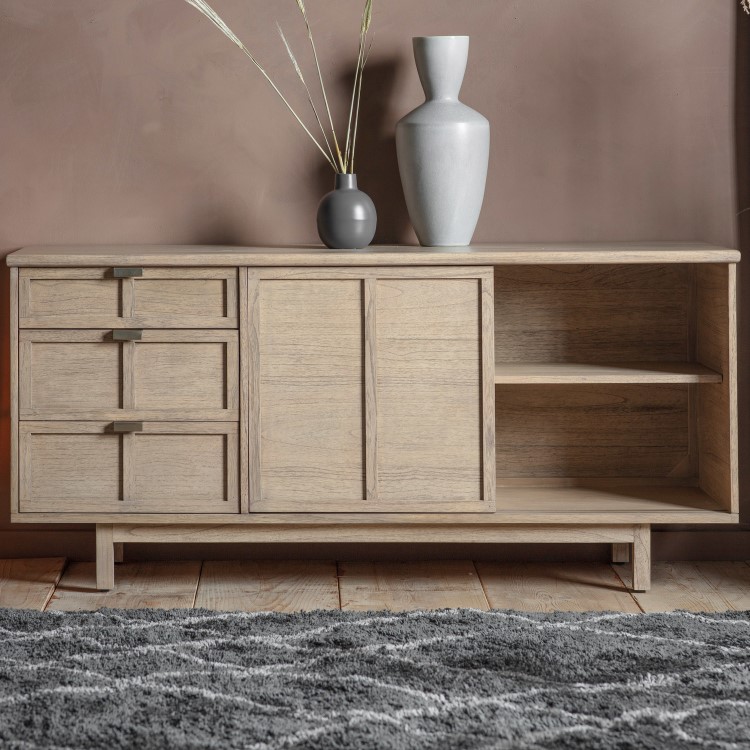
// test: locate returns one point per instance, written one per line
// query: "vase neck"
(345, 181)
(441, 64)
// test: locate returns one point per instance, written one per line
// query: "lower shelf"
(612, 502)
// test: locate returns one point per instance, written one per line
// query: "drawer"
(165, 375)
(69, 467)
(99, 298)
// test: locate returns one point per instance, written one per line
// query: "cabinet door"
(306, 379)
(371, 390)
(429, 394)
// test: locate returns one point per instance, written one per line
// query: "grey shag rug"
(449, 679)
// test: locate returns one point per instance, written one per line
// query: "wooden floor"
(291, 586)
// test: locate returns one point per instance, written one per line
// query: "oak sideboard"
(498, 393)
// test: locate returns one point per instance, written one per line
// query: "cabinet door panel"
(309, 377)
(429, 393)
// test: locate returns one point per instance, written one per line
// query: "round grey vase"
(346, 216)
(443, 147)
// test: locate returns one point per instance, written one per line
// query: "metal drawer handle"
(127, 273)
(127, 334)
(127, 426)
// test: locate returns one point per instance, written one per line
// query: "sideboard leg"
(119, 552)
(620, 553)
(641, 557)
(105, 557)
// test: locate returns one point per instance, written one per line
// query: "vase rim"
(443, 36)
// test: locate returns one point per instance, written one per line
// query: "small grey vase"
(346, 216)
(443, 147)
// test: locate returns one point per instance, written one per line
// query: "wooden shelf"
(520, 373)
(610, 501)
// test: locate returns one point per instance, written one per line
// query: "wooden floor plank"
(29, 584)
(549, 587)
(402, 586)
(680, 585)
(160, 585)
(258, 586)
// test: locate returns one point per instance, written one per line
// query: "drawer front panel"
(85, 467)
(158, 298)
(170, 375)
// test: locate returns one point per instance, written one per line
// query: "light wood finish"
(105, 557)
(591, 313)
(551, 587)
(166, 467)
(290, 586)
(716, 347)
(257, 586)
(159, 585)
(376, 255)
(569, 373)
(694, 586)
(596, 431)
(244, 391)
(29, 584)
(410, 585)
(283, 531)
(160, 298)
(429, 395)
(369, 390)
(311, 395)
(84, 374)
(367, 396)
(14, 391)
(640, 558)
(616, 504)
(620, 553)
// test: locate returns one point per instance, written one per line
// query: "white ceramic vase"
(443, 147)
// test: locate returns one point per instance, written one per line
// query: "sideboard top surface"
(376, 255)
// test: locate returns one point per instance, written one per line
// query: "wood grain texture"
(597, 431)
(430, 427)
(410, 585)
(716, 347)
(167, 467)
(569, 373)
(487, 344)
(591, 314)
(311, 395)
(257, 586)
(161, 297)
(621, 553)
(14, 390)
(552, 587)
(376, 255)
(641, 558)
(84, 374)
(693, 586)
(371, 389)
(371, 531)
(29, 584)
(159, 585)
(105, 557)
(243, 390)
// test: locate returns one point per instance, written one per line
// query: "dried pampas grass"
(340, 162)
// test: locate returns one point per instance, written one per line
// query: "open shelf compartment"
(614, 388)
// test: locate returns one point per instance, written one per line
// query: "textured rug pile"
(447, 679)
